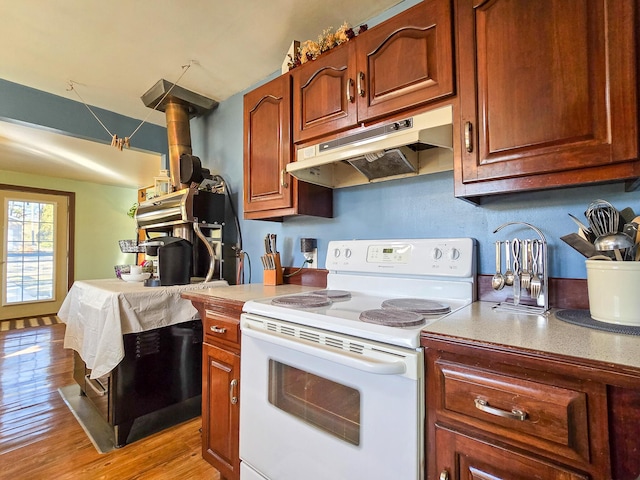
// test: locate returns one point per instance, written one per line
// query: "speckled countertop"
(482, 323)
(244, 293)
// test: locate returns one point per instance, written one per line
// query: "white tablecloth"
(99, 312)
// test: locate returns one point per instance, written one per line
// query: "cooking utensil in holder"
(272, 269)
(530, 262)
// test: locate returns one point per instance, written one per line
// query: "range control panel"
(439, 257)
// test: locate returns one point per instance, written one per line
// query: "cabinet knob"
(360, 84)
(215, 329)
(468, 141)
(444, 475)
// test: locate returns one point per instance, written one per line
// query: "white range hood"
(416, 145)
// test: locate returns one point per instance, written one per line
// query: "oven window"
(330, 406)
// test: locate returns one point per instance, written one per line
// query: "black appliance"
(174, 261)
(193, 215)
(161, 369)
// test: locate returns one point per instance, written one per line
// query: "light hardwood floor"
(41, 439)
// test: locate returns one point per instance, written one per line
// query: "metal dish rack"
(130, 246)
(522, 301)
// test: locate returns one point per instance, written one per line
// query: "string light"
(125, 142)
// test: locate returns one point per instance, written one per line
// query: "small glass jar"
(162, 183)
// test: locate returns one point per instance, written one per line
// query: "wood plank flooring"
(41, 439)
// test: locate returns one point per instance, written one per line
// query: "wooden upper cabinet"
(270, 193)
(324, 94)
(406, 61)
(548, 94)
(402, 63)
(267, 116)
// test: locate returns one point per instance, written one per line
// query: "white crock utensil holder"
(542, 302)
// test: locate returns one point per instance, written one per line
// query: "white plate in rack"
(140, 277)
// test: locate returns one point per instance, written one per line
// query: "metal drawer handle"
(514, 414)
(232, 397)
(284, 184)
(468, 142)
(360, 83)
(350, 97)
(444, 475)
(215, 329)
(96, 386)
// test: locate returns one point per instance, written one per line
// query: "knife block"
(274, 276)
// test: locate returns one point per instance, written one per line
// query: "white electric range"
(340, 370)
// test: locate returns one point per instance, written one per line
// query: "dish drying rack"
(525, 258)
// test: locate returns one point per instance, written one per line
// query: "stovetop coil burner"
(333, 294)
(417, 305)
(392, 317)
(301, 301)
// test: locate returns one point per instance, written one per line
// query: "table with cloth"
(99, 312)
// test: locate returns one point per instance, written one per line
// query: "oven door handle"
(370, 366)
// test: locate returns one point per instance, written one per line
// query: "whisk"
(603, 218)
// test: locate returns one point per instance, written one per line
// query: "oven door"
(317, 405)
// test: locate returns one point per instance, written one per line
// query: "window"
(30, 251)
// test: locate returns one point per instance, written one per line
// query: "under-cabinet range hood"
(407, 147)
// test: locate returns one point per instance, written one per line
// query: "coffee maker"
(172, 263)
(194, 215)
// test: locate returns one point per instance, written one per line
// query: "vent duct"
(179, 106)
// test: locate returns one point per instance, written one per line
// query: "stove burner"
(392, 317)
(332, 294)
(301, 301)
(417, 305)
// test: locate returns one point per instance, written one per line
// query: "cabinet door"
(459, 457)
(405, 62)
(267, 146)
(548, 94)
(324, 94)
(220, 410)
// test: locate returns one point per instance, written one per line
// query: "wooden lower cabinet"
(221, 384)
(220, 420)
(495, 412)
(460, 457)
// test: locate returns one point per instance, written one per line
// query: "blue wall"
(409, 208)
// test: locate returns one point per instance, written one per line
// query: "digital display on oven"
(389, 253)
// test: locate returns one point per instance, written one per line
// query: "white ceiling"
(39, 151)
(114, 51)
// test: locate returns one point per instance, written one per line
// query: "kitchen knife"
(580, 244)
(272, 243)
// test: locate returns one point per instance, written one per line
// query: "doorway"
(36, 252)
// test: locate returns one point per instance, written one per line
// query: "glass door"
(34, 253)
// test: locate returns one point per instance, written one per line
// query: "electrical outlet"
(312, 258)
(308, 247)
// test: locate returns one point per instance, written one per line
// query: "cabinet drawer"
(516, 408)
(462, 457)
(220, 328)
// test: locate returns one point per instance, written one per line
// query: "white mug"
(135, 269)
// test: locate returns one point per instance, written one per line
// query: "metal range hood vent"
(416, 145)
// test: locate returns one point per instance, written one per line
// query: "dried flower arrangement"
(310, 50)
